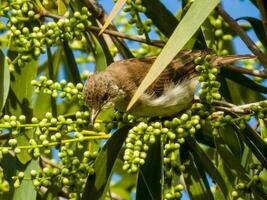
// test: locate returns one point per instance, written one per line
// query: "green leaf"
(263, 128)
(257, 27)
(208, 34)
(26, 189)
(231, 139)
(255, 143)
(20, 100)
(62, 6)
(116, 8)
(100, 57)
(197, 185)
(230, 160)
(243, 80)
(165, 22)
(126, 184)
(149, 177)
(11, 167)
(183, 32)
(4, 80)
(229, 178)
(207, 164)
(98, 183)
(43, 101)
(71, 65)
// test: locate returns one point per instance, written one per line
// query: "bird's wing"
(128, 74)
(181, 67)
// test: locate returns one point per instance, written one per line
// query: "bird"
(171, 92)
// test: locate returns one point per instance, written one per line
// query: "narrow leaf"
(183, 32)
(26, 189)
(231, 138)
(20, 100)
(255, 143)
(208, 33)
(72, 67)
(243, 80)
(4, 80)
(100, 57)
(197, 185)
(166, 21)
(149, 177)
(233, 163)
(62, 6)
(263, 129)
(97, 184)
(207, 164)
(112, 14)
(257, 27)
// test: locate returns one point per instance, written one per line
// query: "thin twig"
(155, 43)
(242, 34)
(129, 37)
(262, 8)
(244, 109)
(253, 72)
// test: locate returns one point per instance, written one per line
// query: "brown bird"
(172, 92)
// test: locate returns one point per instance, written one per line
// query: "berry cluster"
(62, 89)
(242, 190)
(135, 7)
(68, 135)
(69, 174)
(137, 144)
(171, 133)
(209, 86)
(30, 38)
(221, 38)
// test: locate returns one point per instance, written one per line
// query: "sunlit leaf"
(112, 14)
(26, 189)
(100, 57)
(20, 100)
(263, 128)
(62, 6)
(197, 185)
(4, 80)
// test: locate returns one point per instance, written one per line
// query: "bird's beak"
(93, 115)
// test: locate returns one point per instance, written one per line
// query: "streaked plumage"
(170, 93)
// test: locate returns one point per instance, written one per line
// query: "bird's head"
(99, 92)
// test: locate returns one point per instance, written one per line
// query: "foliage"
(216, 149)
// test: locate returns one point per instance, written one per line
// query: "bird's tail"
(223, 60)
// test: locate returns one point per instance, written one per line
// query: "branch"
(242, 34)
(242, 70)
(155, 43)
(242, 109)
